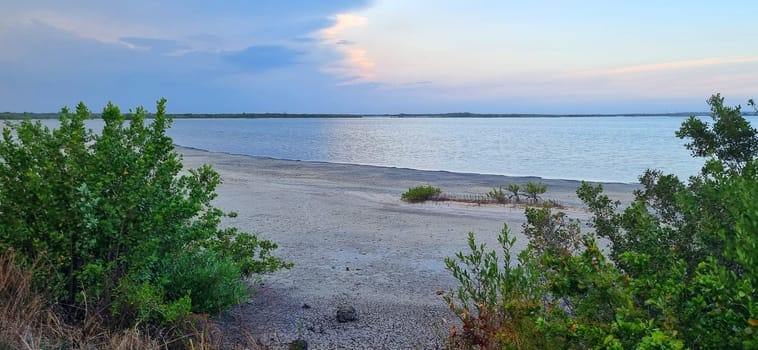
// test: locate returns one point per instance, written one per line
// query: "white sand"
(354, 241)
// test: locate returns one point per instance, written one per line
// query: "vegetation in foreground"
(682, 271)
(109, 236)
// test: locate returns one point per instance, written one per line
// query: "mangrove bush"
(420, 193)
(110, 221)
(681, 270)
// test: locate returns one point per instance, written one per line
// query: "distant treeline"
(11, 115)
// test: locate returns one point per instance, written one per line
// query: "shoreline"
(353, 241)
(179, 149)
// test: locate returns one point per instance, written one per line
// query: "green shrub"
(146, 302)
(514, 190)
(103, 214)
(497, 195)
(550, 232)
(683, 261)
(534, 190)
(495, 301)
(211, 281)
(420, 193)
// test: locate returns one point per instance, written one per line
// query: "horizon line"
(253, 115)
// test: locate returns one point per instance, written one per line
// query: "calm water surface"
(591, 148)
(616, 149)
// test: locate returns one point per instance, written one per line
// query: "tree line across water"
(21, 116)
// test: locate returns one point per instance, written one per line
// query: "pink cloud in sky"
(356, 65)
(664, 66)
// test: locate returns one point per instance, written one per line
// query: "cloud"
(356, 63)
(665, 66)
(57, 54)
(304, 39)
(359, 58)
(52, 67)
(341, 22)
(264, 57)
(248, 55)
(419, 83)
(160, 46)
(232, 25)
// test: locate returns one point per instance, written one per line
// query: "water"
(614, 149)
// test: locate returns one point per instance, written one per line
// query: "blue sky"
(382, 56)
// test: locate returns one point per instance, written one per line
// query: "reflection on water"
(592, 148)
(588, 148)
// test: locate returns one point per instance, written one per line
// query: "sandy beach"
(353, 241)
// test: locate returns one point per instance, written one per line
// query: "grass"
(28, 321)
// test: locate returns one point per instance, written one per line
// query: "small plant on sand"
(420, 193)
(497, 195)
(514, 190)
(534, 190)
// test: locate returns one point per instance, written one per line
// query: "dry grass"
(29, 322)
(23, 314)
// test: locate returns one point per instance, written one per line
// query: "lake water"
(615, 149)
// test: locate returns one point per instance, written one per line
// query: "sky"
(376, 57)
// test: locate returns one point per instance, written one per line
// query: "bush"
(683, 270)
(514, 190)
(550, 232)
(105, 215)
(495, 301)
(420, 193)
(534, 190)
(497, 195)
(210, 280)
